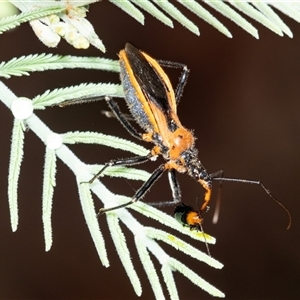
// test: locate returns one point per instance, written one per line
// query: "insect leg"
(140, 193)
(110, 114)
(182, 79)
(81, 100)
(176, 193)
(122, 118)
(181, 84)
(122, 162)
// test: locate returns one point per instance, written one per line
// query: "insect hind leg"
(182, 79)
(81, 100)
(114, 107)
(110, 114)
(123, 118)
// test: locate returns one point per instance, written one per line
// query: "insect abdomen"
(134, 104)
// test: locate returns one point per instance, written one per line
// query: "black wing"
(150, 82)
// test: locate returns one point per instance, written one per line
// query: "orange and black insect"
(152, 102)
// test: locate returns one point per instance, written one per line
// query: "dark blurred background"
(242, 99)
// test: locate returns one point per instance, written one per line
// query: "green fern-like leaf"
(256, 10)
(41, 62)
(16, 20)
(261, 12)
(145, 241)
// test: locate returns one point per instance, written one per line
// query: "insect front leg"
(175, 188)
(140, 193)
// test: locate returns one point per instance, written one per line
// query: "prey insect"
(152, 103)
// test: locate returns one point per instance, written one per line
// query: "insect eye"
(172, 126)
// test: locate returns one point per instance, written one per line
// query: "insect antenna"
(268, 192)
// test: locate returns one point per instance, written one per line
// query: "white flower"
(70, 25)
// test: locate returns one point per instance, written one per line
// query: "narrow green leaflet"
(204, 14)
(250, 11)
(167, 273)
(121, 172)
(16, 157)
(156, 13)
(167, 220)
(177, 243)
(149, 268)
(130, 9)
(49, 183)
(103, 139)
(88, 208)
(288, 9)
(119, 240)
(41, 62)
(235, 17)
(196, 279)
(96, 90)
(269, 13)
(177, 15)
(16, 20)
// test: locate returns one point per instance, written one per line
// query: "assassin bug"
(152, 102)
